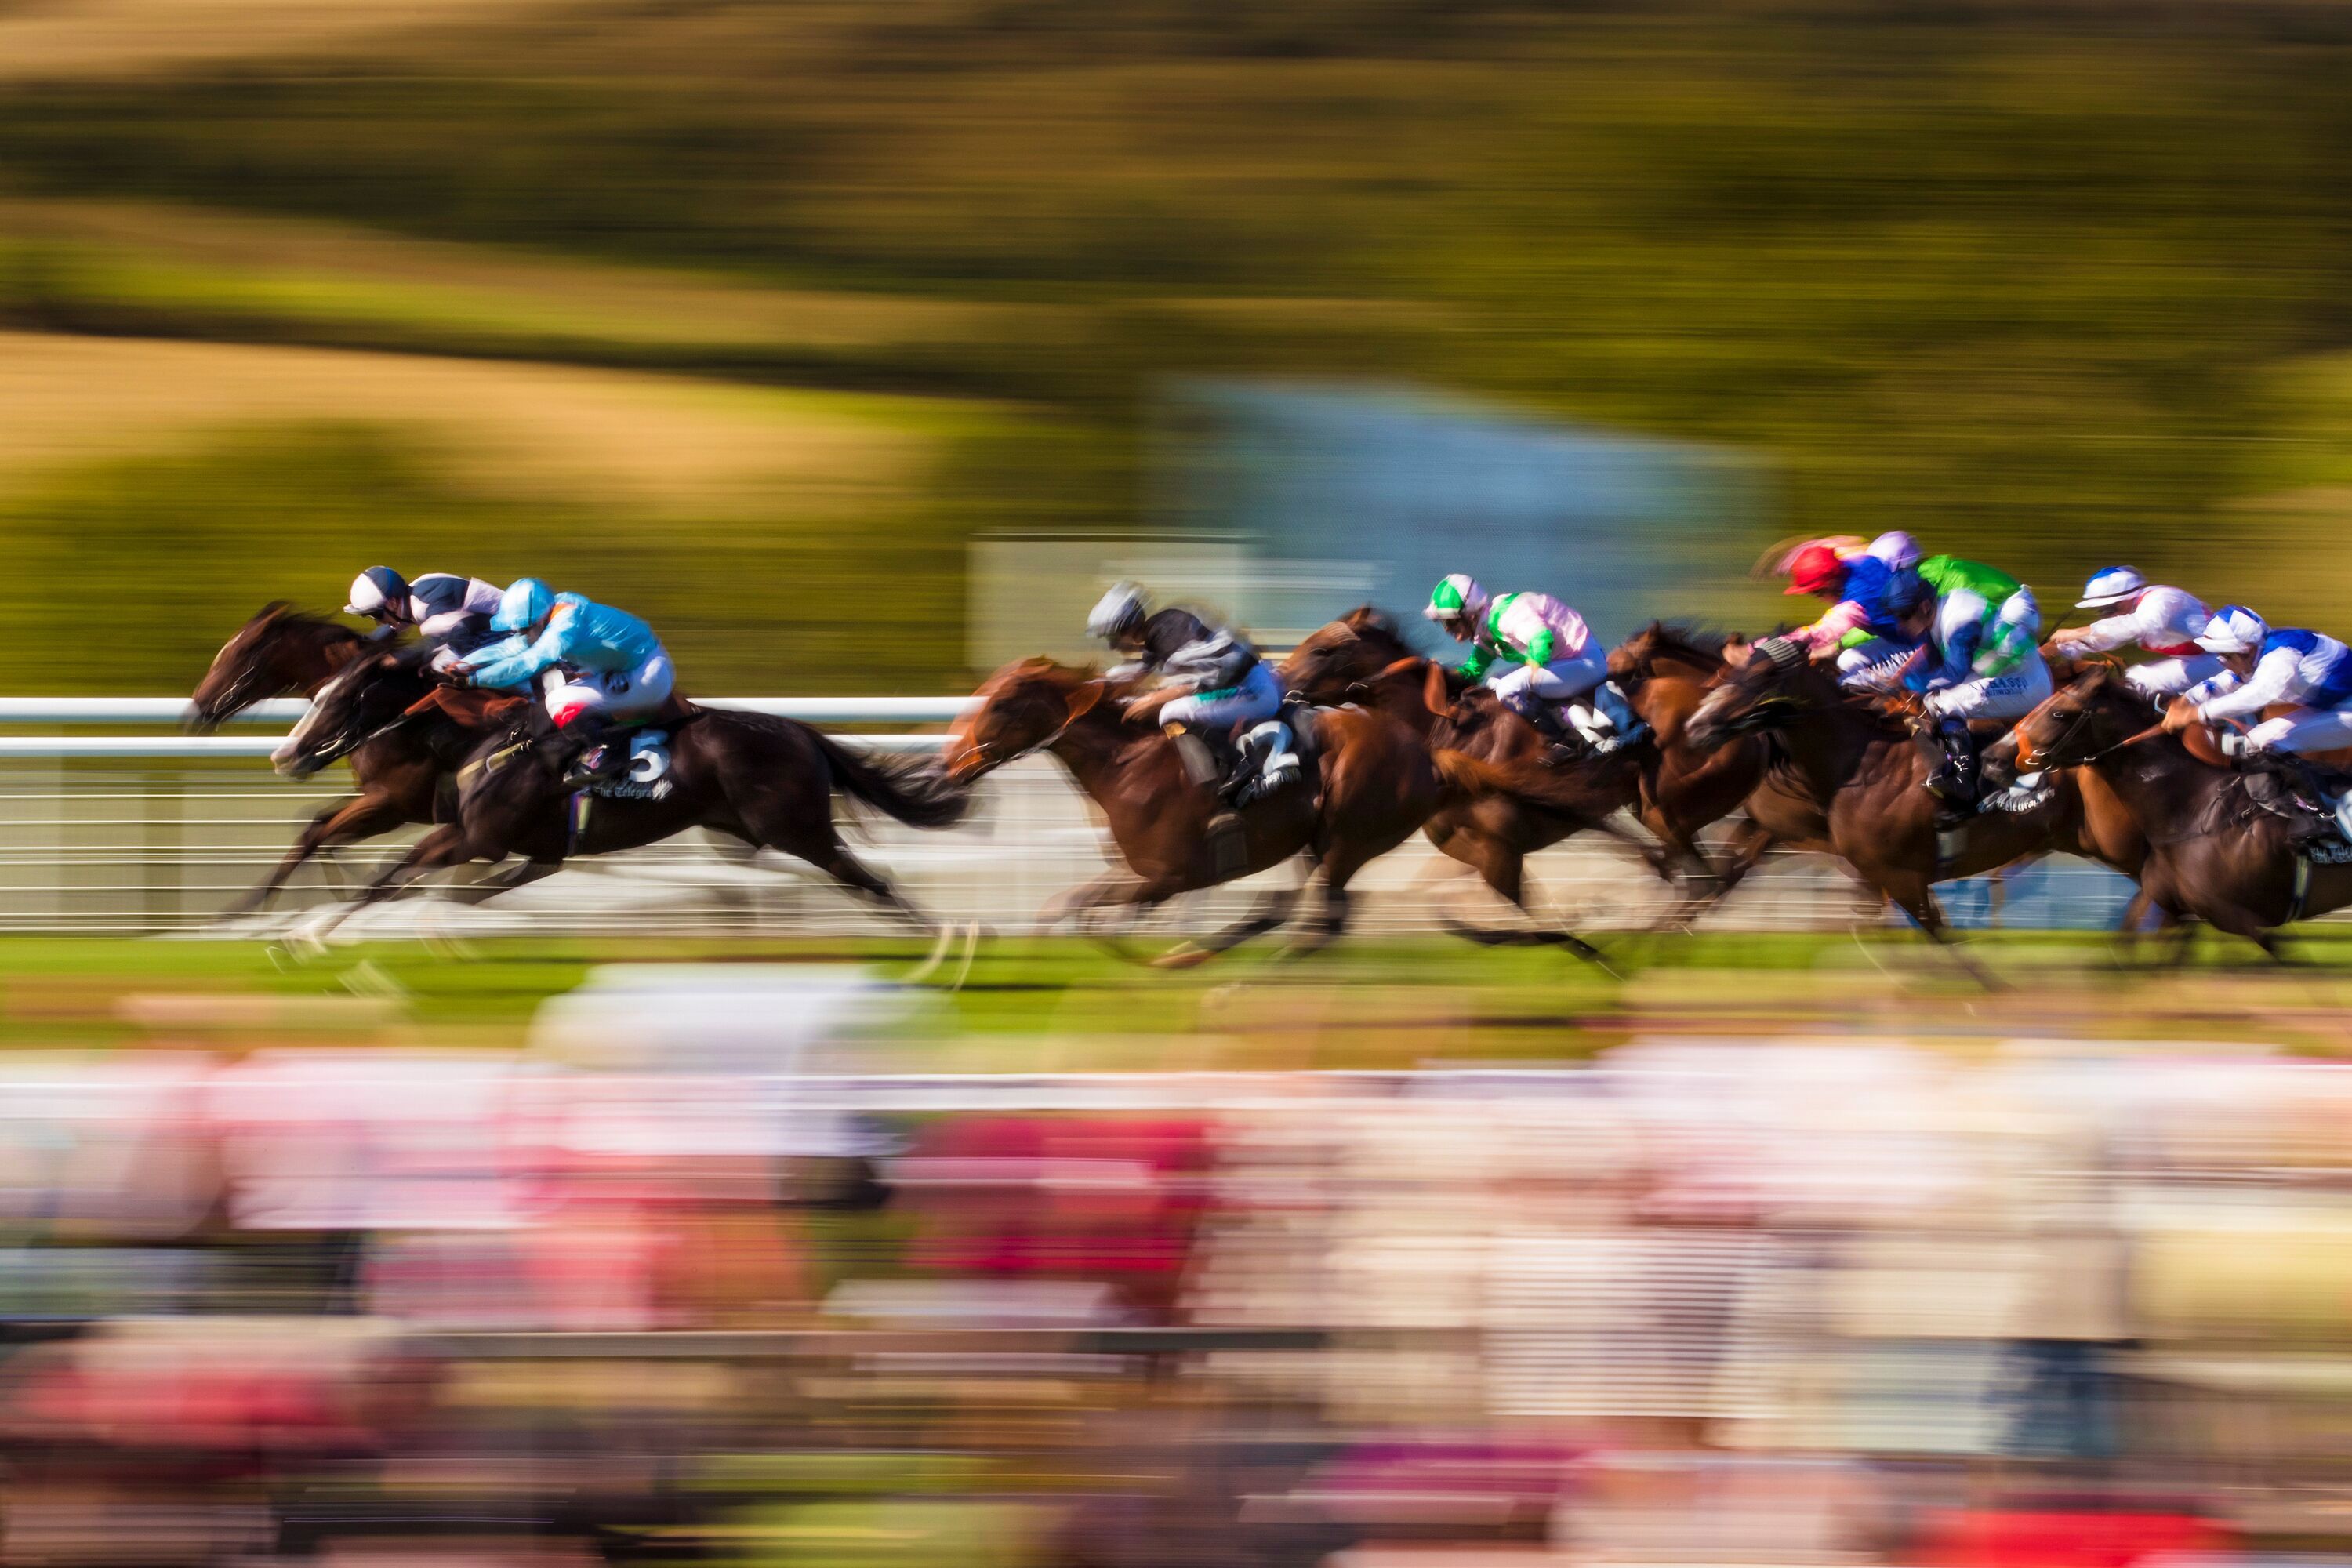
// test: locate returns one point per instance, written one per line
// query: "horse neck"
(1089, 746)
(2157, 779)
(1824, 746)
(321, 661)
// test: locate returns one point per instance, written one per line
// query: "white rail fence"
(159, 833)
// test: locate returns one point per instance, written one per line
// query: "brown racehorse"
(282, 652)
(1378, 783)
(2210, 852)
(1847, 778)
(1506, 799)
(764, 780)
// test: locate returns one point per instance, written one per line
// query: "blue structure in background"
(1344, 493)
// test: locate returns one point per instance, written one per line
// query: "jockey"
(1870, 588)
(450, 613)
(614, 670)
(1536, 654)
(1982, 663)
(2166, 621)
(1216, 682)
(2305, 672)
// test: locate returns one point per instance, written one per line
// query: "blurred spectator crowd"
(1747, 1301)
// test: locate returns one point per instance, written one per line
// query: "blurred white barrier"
(161, 832)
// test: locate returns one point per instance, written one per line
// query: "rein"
(2031, 762)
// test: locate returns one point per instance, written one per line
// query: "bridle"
(2032, 761)
(993, 757)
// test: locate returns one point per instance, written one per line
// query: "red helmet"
(1816, 569)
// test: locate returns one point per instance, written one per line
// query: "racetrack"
(1063, 1006)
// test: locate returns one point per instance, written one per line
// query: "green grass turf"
(1054, 1005)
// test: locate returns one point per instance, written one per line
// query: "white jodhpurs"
(2011, 696)
(1523, 686)
(2172, 675)
(1259, 696)
(2305, 730)
(618, 696)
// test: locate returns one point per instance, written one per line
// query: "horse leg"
(444, 847)
(1912, 894)
(343, 822)
(1272, 911)
(506, 879)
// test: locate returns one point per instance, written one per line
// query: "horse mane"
(1373, 619)
(286, 613)
(1662, 639)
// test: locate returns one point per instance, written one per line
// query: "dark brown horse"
(764, 780)
(1507, 800)
(1845, 777)
(2210, 851)
(1378, 783)
(282, 652)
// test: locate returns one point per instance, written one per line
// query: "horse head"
(2096, 712)
(280, 652)
(368, 696)
(1772, 681)
(1024, 707)
(1357, 646)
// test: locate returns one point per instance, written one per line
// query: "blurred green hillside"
(750, 314)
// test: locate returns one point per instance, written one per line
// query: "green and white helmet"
(1456, 597)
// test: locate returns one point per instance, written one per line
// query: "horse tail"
(903, 790)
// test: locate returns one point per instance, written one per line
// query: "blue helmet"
(2235, 629)
(527, 603)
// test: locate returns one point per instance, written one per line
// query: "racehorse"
(282, 652)
(764, 780)
(2212, 850)
(1845, 777)
(1378, 783)
(1505, 799)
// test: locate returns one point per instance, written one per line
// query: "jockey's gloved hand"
(457, 673)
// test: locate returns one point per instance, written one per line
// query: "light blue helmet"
(2111, 586)
(2235, 629)
(526, 604)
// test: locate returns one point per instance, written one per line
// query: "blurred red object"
(2061, 1538)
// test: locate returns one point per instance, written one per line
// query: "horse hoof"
(1185, 957)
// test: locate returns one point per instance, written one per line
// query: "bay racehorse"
(1376, 784)
(1506, 798)
(2213, 851)
(1845, 777)
(283, 652)
(764, 780)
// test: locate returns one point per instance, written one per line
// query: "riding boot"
(1955, 781)
(1566, 745)
(1626, 724)
(597, 754)
(1249, 756)
(1269, 763)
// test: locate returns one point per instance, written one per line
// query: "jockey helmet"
(1816, 569)
(2111, 586)
(380, 592)
(526, 603)
(1457, 600)
(2235, 629)
(1117, 613)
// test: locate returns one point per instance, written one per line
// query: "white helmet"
(2111, 586)
(1456, 597)
(1116, 613)
(379, 591)
(2235, 629)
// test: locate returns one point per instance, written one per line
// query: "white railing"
(287, 710)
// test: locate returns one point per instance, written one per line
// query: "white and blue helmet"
(2235, 629)
(2111, 586)
(379, 593)
(526, 603)
(1116, 613)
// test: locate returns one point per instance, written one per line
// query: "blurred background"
(855, 346)
(787, 322)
